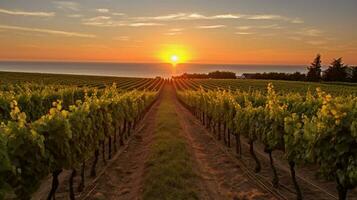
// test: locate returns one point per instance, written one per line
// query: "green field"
(93, 137)
(126, 83)
(280, 86)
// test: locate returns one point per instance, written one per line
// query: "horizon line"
(145, 62)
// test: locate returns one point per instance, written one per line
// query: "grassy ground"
(169, 168)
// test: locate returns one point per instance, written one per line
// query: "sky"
(197, 31)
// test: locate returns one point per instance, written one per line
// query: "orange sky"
(237, 32)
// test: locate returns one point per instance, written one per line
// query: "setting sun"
(100, 89)
(175, 59)
(174, 54)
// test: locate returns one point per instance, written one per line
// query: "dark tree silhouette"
(222, 75)
(336, 72)
(354, 74)
(297, 76)
(215, 75)
(314, 73)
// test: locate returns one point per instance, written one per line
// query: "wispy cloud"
(107, 21)
(98, 18)
(27, 13)
(143, 24)
(75, 16)
(122, 38)
(197, 16)
(102, 10)
(67, 5)
(187, 16)
(244, 28)
(244, 33)
(47, 31)
(311, 32)
(271, 26)
(211, 26)
(174, 31)
(101, 21)
(264, 17)
(118, 14)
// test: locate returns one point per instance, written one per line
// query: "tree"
(354, 74)
(336, 72)
(222, 75)
(314, 73)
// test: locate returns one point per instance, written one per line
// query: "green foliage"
(280, 87)
(311, 127)
(65, 135)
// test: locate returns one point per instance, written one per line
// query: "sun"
(175, 59)
(174, 54)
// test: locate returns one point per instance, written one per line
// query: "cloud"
(26, 13)
(101, 21)
(47, 31)
(244, 28)
(187, 16)
(311, 32)
(75, 16)
(102, 10)
(118, 14)
(264, 17)
(67, 5)
(144, 24)
(227, 16)
(107, 21)
(98, 18)
(244, 33)
(211, 27)
(163, 17)
(174, 31)
(122, 38)
(271, 26)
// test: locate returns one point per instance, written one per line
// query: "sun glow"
(174, 54)
(174, 59)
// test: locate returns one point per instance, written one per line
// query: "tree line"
(213, 75)
(336, 72)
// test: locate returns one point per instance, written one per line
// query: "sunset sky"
(201, 31)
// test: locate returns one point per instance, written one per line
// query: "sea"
(148, 70)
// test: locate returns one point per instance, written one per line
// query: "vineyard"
(91, 137)
(303, 126)
(15, 80)
(48, 128)
(280, 86)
